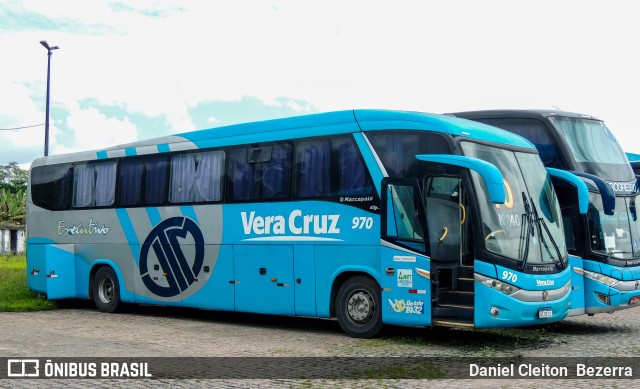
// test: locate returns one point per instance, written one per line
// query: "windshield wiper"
(526, 231)
(541, 223)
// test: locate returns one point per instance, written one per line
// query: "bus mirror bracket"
(488, 171)
(581, 187)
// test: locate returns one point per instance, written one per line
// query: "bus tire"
(358, 307)
(106, 290)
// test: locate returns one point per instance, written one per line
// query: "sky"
(133, 70)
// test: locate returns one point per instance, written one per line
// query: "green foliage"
(13, 178)
(15, 296)
(13, 207)
(13, 194)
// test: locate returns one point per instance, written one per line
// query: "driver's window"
(406, 224)
(404, 215)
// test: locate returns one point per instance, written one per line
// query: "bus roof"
(323, 124)
(520, 113)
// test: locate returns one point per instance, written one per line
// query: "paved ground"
(81, 331)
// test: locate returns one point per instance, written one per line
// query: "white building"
(12, 240)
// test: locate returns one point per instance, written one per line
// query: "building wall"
(5, 240)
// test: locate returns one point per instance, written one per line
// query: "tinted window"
(196, 177)
(142, 181)
(312, 167)
(397, 150)
(51, 186)
(330, 167)
(536, 132)
(94, 184)
(260, 173)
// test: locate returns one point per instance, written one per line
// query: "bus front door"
(450, 250)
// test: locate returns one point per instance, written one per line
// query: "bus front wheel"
(358, 307)
(106, 290)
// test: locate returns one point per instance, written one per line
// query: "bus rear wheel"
(106, 290)
(358, 307)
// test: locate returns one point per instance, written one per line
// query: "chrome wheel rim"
(360, 307)
(105, 290)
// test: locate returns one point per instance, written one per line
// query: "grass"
(15, 296)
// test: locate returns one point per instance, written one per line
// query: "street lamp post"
(46, 122)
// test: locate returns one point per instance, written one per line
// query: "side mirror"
(489, 172)
(607, 194)
(581, 187)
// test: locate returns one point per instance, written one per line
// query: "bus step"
(452, 323)
(456, 297)
(446, 311)
(465, 272)
(464, 283)
(460, 306)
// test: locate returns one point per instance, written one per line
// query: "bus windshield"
(616, 235)
(528, 226)
(594, 148)
(590, 140)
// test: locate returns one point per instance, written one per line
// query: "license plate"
(634, 300)
(544, 312)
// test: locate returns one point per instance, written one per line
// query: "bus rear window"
(51, 186)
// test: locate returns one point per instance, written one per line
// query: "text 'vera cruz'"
(296, 223)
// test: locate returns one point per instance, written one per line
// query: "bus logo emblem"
(178, 272)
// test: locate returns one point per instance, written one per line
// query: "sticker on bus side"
(407, 306)
(405, 278)
(403, 258)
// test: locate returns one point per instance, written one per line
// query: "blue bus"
(368, 216)
(634, 160)
(603, 234)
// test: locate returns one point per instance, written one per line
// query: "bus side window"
(313, 168)
(333, 167)
(260, 173)
(352, 175)
(142, 181)
(94, 184)
(196, 177)
(276, 173)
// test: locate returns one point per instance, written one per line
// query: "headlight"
(503, 287)
(609, 281)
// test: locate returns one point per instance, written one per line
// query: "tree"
(13, 194)
(13, 178)
(13, 207)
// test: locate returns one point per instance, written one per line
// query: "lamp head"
(46, 46)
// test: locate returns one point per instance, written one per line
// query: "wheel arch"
(343, 276)
(100, 263)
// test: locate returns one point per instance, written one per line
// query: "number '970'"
(359, 223)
